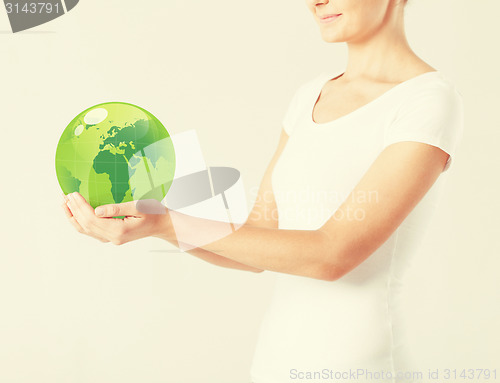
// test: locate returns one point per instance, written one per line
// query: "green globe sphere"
(115, 152)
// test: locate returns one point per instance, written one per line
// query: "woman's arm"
(216, 259)
(397, 180)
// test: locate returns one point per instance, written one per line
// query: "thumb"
(150, 206)
(114, 210)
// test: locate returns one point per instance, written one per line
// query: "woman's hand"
(143, 218)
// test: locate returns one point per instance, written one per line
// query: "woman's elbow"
(323, 271)
(329, 273)
(329, 267)
(257, 270)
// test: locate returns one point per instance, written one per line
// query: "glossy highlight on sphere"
(115, 152)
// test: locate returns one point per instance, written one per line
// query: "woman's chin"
(331, 38)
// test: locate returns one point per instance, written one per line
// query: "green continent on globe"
(115, 152)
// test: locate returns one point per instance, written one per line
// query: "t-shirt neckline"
(327, 76)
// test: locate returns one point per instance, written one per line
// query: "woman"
(342, 206)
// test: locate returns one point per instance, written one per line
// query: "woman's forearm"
(219, 260)
(298, 252)
(216, 259)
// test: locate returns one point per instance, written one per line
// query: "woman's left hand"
(150, 218)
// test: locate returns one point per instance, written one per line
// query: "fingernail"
(99, 211)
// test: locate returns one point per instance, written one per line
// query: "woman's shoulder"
(429, 87)
(429, 78)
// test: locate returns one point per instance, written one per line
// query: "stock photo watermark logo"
(26, 14)
(310, 206)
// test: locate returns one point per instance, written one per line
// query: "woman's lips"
(329, 18)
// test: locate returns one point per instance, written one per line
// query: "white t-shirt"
(326, 328)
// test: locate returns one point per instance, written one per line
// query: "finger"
(65, 205)
(84, 217)
(69, 215)
(77, 226)
(108, 228)
(116, 210)
(81, 206)
(75, 208)
(150, 206)
(72, 219)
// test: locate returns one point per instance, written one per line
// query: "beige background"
(76, 310)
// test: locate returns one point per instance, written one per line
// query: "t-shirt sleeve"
(433, 116)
